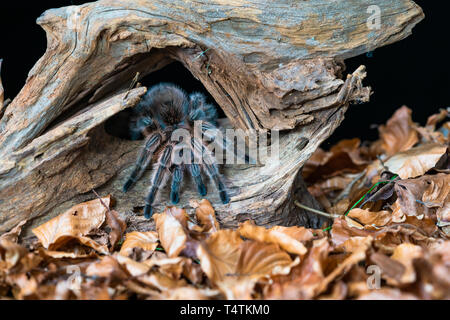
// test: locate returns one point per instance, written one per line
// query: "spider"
(162, 110)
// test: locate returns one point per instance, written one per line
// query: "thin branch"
(328, 215)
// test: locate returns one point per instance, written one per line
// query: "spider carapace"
(162, 110)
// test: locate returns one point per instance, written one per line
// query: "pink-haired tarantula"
(162, 110)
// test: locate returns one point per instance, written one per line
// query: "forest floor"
(388, 200)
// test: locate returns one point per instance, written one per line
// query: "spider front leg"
(164, 164)
(144, 159)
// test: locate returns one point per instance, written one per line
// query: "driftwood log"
(268, 64)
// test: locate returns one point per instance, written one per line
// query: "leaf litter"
(389, 239)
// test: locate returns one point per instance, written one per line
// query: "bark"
(268, 65)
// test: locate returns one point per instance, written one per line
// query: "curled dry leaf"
(346, 156)
(305, 280)
(14, 234)
(416, 161)
(259, 259)
(16, 259)
(161, 282)
(288, 239)
(219, 254)
(147, 241)
(366, 217)
(400, 133)
(133, 267)
(107, 267)
(171, 227)
(421, 196)
(405, 254)
(75, 223)
(171, 267)
(206, 216)
(117, 227)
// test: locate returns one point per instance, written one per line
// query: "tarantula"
(162, 110)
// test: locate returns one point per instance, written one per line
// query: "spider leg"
(196, 175)
(212, 169)
(144, 158)
(157, 179)
(177, 178)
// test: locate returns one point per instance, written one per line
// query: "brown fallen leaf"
(107, 267)
(259, 259)
(161, 282)
(219, 254)
(286, 238)
(16, 259)
(117, 228)
(134, 268)
(206, 216)
(416, 161)
(171, 267)
(75, 223)
(305, 280)
(405, 254)
(172, 231)
(366, 217)
(146, 241)
(400, 133)
(422, 196)
(14, 234)
(346, 156)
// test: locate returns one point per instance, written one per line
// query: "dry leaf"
(421, 196)
(75, 223)
(171, 231)
(14, 234)
(405, 254)
(206, 216)
(305, 281)
(287, 238)
(133, 267)
(219, 254)
(400, 133)
(147, 241)
(117, 227)
(259, 259)
(416, 161)
(367, 217)
(107, 268)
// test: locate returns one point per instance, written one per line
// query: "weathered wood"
(268, 65)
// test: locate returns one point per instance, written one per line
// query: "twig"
(133, 83)
(101, 201)
(328, 215)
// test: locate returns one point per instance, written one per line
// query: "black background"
(413, 72)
